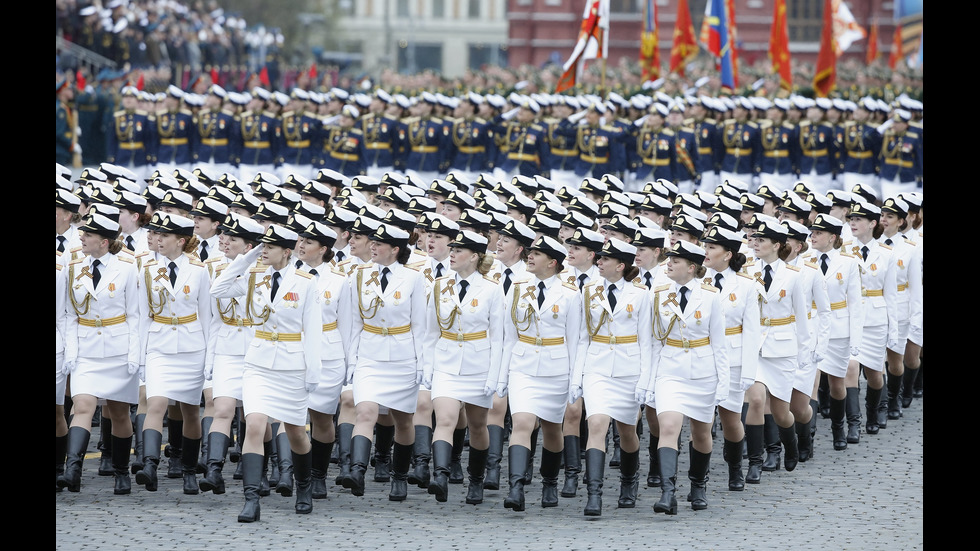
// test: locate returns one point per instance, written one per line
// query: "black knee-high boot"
(401, 462)
(803, 441)
(456, 465)
(285, 485)
(667, 458)
(773, 447)
(77, 444)
(852, 408)
(653, 476)
(60, 455)
(302, 465)
(837, 428)
(787, 435)
(629, 479)
(615, 458)
(573, 465)
(917, 385)
(343, 442)
(202, 462)
(120, 464)
(823, 396)
(494, 454)
(732, 454)
(360, 455)
(147, 476)
(477, 468)
(755, 444)
(217, 447)
(237, 438)
(894, 396)
(872, 399)
(422, 449)
(251, 476)
(265, 486)
(908, 381)
(442, 453)
(384, 435)
(517, 460)
(595, 466)
(698, 475)
(137, 443)
(274, 475)
(550, 467)
(529, 475)
(175, 435)
(105, 446)
(190, 449)
(320, 462)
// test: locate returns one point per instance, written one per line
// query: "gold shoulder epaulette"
(811, 265)
(745, 275)
(765, 123)
(663, 287)
(58, 266)
(611, 128)
(185, 111)
(569, 286)
(420, 252)
(413, 268)
(364, 266)
(668, 132)
(687, 129)
(491, 280)
(804, 122)
(636, 280)
(75, 250)
(150, 262)
(787, 125)
(883, 246)
(537, 127)
(258, 269)
(126, 259)
(711, 288)
(912, 134)
(58, 253)
(304, 273)
(479, 120)
(77, 260)
(710, 121)
(415, 265)
(339, 271)
(689, 121)
(119, 112)
(847, 254)
(638, 285)
(215, 259)
(794, 268)
(357, 131)
(196, 262)
(752, 124)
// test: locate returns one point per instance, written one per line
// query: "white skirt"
(326, 397)
(465, 388)
(838, 354)
(612, 396)
(736, 396)
(392, 384)
(60, 379)
(227, 376)
(915, 335)
(803, 378)
(778, 375)
(179, 377)
(903, 335)
(279, 394)
(872, 352)
(695, 398)
(544, 397)
(106, 378)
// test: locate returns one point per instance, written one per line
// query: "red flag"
(592, 42)
(896, 55)
(214, 75)
(684, 48)
(313, 72)
(872, 53)
(649, 47)
(733, 40)
(779, 46)
(264, 76)
(826, 74)
(79, 80)
(140, 82)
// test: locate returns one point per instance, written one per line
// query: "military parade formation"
(378, 279)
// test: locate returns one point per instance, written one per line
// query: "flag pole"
(602, 84)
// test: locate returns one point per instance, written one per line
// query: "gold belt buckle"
(459, 337)
(765, 321)
(174, 321)
(686, 344)
(98, 322)
(274, 336)
(384, 331)
(240, 322)
(538, 342)
(612, 340)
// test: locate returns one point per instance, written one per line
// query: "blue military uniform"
(424, 141)
(780, 148)
(901, 156)
(817, 149)
(742, 142)
(686, 155)
(298, 141)
(64, 132)
(601, 148)
(130, 141)
(524, 148)
(342, 150)
(175, 138)
(472, 139)
(860, 144)
(380, 132)
(708, 140)
(260, 133)
(563, 152)
(90, 106)
(652, 153)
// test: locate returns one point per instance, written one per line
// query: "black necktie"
(313, 271)
(173, 273)
(683, 291)
(768, 277)
(888, 242)
(439, 270)
(384, 278)
(129, 243)
(275, 283)
(463, 284)
(507, 273)
(340, 256)
(581, 281)
(824, 263)
(612, 297)
(540, 294)
(864, 252)
(96, 275)
(204, 250)
(61, 243)
(718, 278)
(649, 280)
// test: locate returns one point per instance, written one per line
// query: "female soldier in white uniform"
(614, 348)
(540, 343)
(689, 370)
(282, 365)
(894, 220)
(175, 315)
(388, 319)
(463, 345)
(102, 347)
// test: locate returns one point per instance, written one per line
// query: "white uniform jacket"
(111, 311)
(622, 339)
